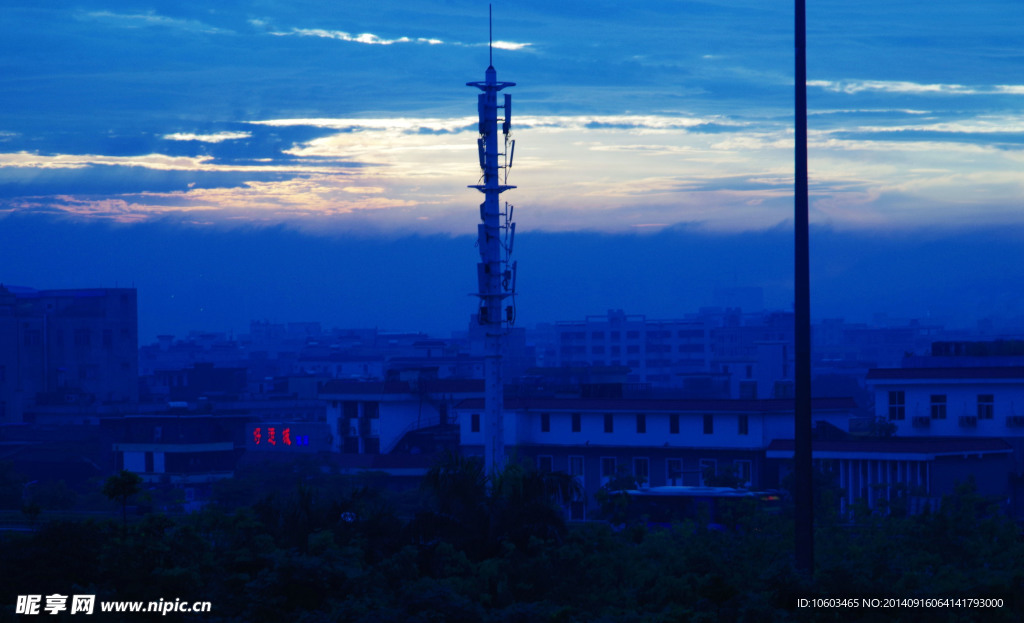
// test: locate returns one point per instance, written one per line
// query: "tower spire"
(490, 36)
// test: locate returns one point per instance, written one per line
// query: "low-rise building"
(657, 442)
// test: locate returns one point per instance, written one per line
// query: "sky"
(308, 160)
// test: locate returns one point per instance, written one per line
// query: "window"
(743, 472)
(597, 350)
(674, 471)
(938, 404)
(474, 423)
(578, 503)
(641, 423)
(897, 405)
(632, 335)
(597, 335)
(577, 423)
(708, 469)
(545, 464)
(545, 422)
(709, 424)
(609, 423)
(744, 424)
(642, 471)
(576, 468)
(750, 372)
(673, 423)
(986, 406)
(608, 468)
(108, 338)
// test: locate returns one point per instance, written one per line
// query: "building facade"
(67, 347)
(654, 442)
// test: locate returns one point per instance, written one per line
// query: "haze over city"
(297, 161)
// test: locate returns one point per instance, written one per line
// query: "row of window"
(937, 406)
(641, 471)
(640, 419)
(568, 336)
(82, 337)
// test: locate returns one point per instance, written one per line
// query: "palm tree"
(121, 487)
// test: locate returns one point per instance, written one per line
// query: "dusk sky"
(309, 160)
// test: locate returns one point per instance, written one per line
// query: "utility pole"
(802, 465)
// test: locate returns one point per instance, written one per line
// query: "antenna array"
(496, 272)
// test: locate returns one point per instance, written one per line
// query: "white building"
(373, 417)
(658, 442)
(962, 406)
(963, 402)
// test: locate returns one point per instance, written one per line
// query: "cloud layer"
(632, 118)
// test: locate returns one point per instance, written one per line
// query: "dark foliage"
(333, 548)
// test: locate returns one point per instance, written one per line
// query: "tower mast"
(495, 272)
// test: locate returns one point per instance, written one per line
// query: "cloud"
(373, 39)
(596, 172)
(159, 162)
(852, 87)
(217, 137)
(367, 38)
(509, 45)
(150, 20)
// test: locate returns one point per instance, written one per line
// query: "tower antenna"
(490, 36)
(496, 273)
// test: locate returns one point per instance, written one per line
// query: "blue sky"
(349, 124)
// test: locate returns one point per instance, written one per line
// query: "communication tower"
(496, 273)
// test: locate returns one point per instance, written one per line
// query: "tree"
(121, 487)
(612, 502)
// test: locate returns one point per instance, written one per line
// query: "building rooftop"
(921, 447)
(1003, 372)
(650, 405)
(436, 386)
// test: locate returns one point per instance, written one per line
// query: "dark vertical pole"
(804, 477)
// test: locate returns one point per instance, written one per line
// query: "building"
(951, 402)
(374, 417)
(67, 347)
(656, 351)
(657, 442)
(178, 450)
(910, 474)
(963, 405)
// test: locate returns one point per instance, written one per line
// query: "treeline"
(305, 544)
